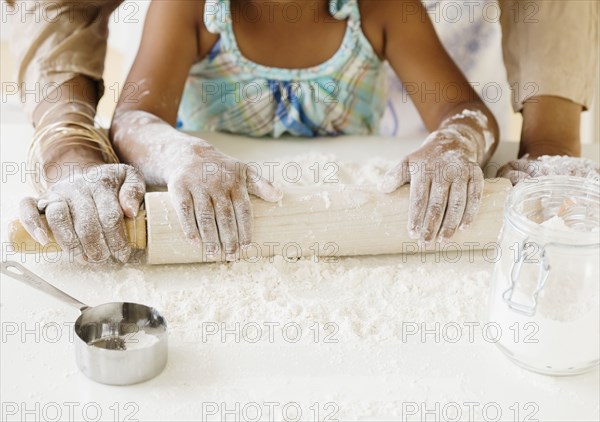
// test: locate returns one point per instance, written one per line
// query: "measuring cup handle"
(18, 272)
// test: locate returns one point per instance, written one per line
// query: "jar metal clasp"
(543, 272)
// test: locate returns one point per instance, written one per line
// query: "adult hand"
(85, 212)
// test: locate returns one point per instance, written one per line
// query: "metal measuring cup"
(116, 343)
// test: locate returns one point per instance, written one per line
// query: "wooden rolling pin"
(325, 221)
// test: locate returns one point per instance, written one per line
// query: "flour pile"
(548, 165)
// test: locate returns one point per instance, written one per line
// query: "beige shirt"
(550, 46)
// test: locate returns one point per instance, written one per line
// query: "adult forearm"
(73, 102)
(551, 126)
(55, 41)
(551, 72)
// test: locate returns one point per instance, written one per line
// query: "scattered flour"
(367, 299)
(326, 169)
(368, 302)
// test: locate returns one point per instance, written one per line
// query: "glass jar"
(545, 287)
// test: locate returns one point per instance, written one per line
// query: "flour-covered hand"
(210, 193)
(85, 212)
(209, 190)
(446, 183)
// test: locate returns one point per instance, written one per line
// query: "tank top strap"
(344, 9)
(217, 15)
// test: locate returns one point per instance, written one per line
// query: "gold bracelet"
(60, 132)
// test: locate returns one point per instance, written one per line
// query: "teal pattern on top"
(227, 92)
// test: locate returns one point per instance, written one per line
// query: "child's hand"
(525, 168)
(210, 193)
(446, 183)
(209, 189)
(85, 212)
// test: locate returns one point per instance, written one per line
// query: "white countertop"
(370, 373)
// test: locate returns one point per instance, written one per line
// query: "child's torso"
(305, 69)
